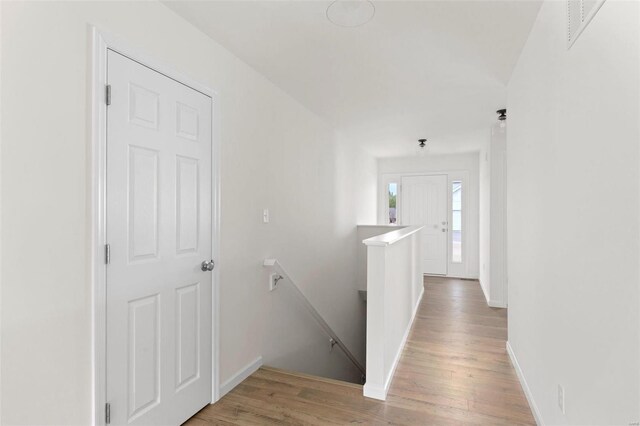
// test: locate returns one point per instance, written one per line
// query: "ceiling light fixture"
(350, 13)
(502, 117)
(422, 147)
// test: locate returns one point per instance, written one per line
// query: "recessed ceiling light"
(350, 13)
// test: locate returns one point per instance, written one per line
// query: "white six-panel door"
(158, 224)
(424, 202)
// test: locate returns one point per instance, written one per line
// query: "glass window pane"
(456, 222)
(393, 195)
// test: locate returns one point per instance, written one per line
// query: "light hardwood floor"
(454, 370)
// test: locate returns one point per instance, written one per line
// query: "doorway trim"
(101, 42)
(452, 175)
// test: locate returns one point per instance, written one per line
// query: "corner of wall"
(484, 285)
(240, 376)
(525, 386)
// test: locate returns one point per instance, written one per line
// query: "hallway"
(454, 369)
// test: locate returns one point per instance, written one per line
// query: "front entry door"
(159, 232)
(424, 202)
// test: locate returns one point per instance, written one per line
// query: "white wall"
(394, 289)
(316, 241)
(275, 154)
(484, 233)
(364, 232)
(573, 209)
(433, 163)
(493, 203)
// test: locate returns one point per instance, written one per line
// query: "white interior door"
(159, 230)
(424, 202)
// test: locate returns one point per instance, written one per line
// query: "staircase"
(339, 361)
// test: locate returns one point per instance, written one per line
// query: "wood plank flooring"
(454, 370)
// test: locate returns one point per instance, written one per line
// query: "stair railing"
(334, 340)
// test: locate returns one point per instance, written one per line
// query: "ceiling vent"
(579, 14)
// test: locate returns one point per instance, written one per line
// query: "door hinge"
(108, 94)
(107, 413)
(107, 253)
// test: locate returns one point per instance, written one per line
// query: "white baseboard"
(239, 377)
(463, 277)
(377, 392)
(496, 304)
(525, 387)
(492, 303)
(484, 291)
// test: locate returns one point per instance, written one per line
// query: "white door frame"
(101, 42)
(453, 270)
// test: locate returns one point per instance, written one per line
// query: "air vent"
(579, 14)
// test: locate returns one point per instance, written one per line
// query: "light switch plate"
(561, 398)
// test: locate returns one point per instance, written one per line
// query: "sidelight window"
(393, 202)
(456, 222)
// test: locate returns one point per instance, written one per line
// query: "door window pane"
(456, 222)
(393, 198)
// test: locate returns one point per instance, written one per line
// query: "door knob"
(207, 266)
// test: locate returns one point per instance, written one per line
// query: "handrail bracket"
(333, 337)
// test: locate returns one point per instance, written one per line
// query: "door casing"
(457, 270)
(101, 41)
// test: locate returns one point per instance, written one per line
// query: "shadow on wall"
(296, 342)
(316, 242)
